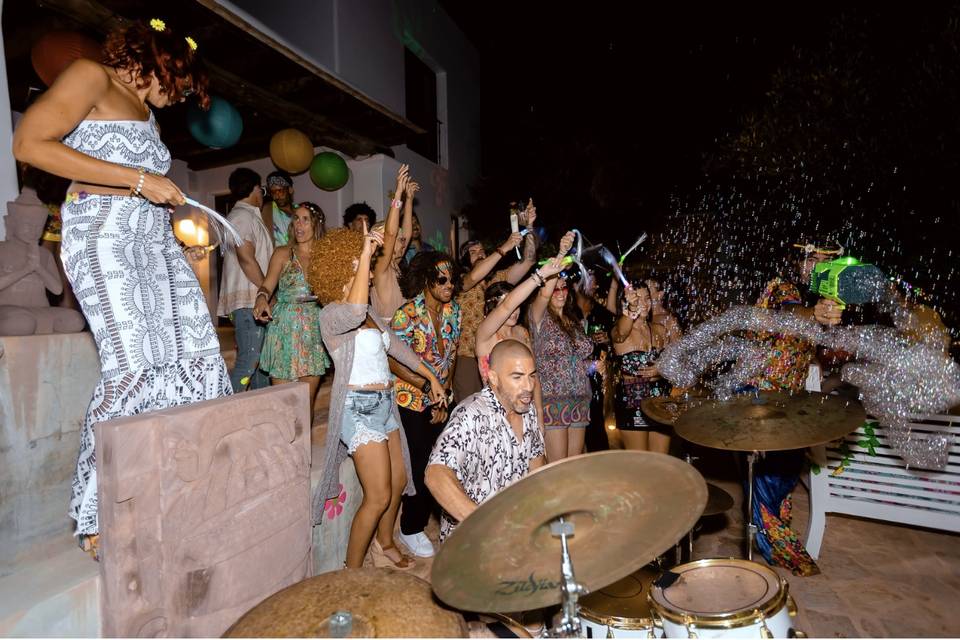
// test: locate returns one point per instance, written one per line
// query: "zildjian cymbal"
(770, 421)
(627, 507)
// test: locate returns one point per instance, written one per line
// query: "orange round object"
(291, 150)
(55, 50)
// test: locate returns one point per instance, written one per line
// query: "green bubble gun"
(847, 280)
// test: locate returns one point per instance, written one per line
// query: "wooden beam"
(320, 129)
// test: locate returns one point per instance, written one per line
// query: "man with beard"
(278, 213)
(492, 439)
(430, 325)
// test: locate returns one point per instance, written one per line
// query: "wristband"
(263, 293)
(396, 204)
(538, 277)
(135, 191)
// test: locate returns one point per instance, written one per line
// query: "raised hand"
(529, 215)
(372, 240)
(403, 180)
(412, 188)
(566, 243)
(512, 242)
(552, 268)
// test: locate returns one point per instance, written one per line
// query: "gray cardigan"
(339, 323)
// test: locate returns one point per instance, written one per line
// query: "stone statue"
(26, 270)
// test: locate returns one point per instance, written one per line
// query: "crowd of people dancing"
(452, 376)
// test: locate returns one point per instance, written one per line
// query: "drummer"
(491, 440)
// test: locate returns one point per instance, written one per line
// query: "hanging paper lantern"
(55, 50)
(291, 150)
(328, 171)
(219, 127)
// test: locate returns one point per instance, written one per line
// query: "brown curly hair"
(331, 263)
(165, 54)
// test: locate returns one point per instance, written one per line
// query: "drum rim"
(723, 620)
(619, 622)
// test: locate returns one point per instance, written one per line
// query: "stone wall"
(46, 383)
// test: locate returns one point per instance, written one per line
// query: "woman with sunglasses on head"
(292, 349)
(564, 358)
(363, 421)
(142, 300)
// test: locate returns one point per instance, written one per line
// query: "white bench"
(880, 487)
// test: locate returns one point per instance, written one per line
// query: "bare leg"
(556, 444)
(398, 480)
(636, 440)
(314, 382)
(276, 381)
(659, 442)
(575, 439)
(372, 461)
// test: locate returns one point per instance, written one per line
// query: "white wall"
(8, 166)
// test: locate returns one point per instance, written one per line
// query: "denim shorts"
(367, 417)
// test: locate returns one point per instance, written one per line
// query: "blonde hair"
(317, 221)
(332, 263)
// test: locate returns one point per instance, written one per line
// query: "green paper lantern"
(219, 127)
(329, 171)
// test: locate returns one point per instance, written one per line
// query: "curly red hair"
(165, 54)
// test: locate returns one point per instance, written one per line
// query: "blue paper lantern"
(329, 171)
(219, 127)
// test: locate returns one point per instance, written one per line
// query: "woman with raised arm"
(477, 266)
(564, 358)
(637, 343)
(386, 296)
(142, 300)
(363, 421)
(292, 349)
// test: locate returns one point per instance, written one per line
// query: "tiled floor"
(878, 579)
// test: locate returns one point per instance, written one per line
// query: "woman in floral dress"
(292, 349)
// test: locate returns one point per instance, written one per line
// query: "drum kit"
(615, 514)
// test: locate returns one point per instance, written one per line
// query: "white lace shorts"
(367, 417)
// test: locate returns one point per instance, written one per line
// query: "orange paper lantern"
(55, 50)
(291, 150)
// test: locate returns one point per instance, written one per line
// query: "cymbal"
(770, 421)
(627, 507)
(718, 501)
(667, 410)
(381, 602)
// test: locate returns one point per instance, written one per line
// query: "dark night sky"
(667, 80)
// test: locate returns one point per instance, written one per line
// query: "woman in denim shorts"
(363, 420)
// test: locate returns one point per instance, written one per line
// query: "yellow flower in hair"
(158, 24)
(192, 43)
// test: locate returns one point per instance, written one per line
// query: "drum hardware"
(568, 625)
(503, 557)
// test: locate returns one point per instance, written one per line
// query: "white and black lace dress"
(146, 310)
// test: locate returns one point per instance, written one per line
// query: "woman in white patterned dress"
(144, 305)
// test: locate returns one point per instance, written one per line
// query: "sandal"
(381, 559)
(90, 544)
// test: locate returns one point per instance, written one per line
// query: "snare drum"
(620, 610)
(724, 598)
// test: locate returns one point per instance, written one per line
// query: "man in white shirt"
(243, 273)
(491, 440)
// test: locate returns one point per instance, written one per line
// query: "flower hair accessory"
(192, 43)
(158, 25)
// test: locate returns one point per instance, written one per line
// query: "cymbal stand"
(690, 460)
(568, 626)
(751, 527)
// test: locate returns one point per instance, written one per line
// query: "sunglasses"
(442, 280)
